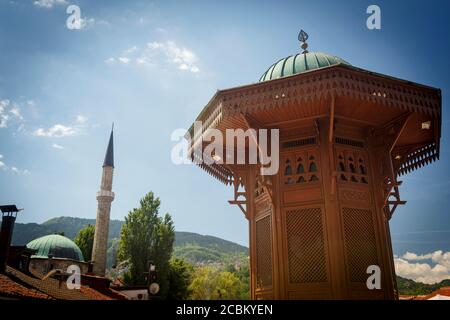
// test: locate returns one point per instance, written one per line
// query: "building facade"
(321, 224)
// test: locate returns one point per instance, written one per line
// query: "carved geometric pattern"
(360, 242)
(263, 253)
(351, 166)
(298, 143)
(259, 189)
(305, 89)
(354, 195)
(419, 158)
(349, 142)
(301, 167)
(306, 246)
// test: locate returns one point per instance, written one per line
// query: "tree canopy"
(180, 275)
(85, 241)
(145, 237)
(210, 283)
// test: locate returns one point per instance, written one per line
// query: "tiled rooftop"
(20, 285)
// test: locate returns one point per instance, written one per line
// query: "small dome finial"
(302, 37)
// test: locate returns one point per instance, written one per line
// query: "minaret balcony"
(105, 194)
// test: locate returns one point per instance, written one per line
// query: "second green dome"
(56, 245)
(299, 63)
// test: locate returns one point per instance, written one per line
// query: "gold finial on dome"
(302, 37)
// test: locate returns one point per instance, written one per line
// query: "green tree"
(210, 283)
(145, 237)
(180, 274)
(241, 270)
(85, 241)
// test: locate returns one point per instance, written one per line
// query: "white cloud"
(124, 60)
(414, 257)
(48, 3)
(57, 146)
(15, 111)
(142, 61)
(157, 53)
(89, 23)
(436, 271)
(81, 119)
(130, 50)
(8, 112)
(14, 169)
(184, 58)
(57, 131)
(60, 130)
(19, 171)
(4, 117)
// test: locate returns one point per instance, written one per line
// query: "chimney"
(9, 214)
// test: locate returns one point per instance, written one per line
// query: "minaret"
(104, 198)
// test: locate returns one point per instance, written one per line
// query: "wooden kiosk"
(346, 135)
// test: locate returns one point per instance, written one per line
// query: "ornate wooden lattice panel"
(351, 165)
(306, 246)
(301, 168)
(360, 242)
(263, 253)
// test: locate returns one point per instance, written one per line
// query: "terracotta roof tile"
(57, 289)
(12, 289)
(444, 291)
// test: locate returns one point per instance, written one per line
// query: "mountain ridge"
(25, 232)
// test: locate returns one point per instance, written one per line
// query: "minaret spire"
(104, 198)
(109, 156)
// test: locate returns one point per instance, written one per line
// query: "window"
(288, 169)
(350, 163)
(312, 167)
(352, 167)
(306, 167)
(301, 180)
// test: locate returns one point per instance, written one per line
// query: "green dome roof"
(299, 63)
(57, 245)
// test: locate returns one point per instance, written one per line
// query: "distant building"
(440, 294)
(55, 252)
(39, 271)
(133, 292)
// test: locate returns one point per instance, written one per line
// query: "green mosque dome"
(56, 245)
(299, 63)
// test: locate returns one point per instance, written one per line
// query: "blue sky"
(151, 67)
